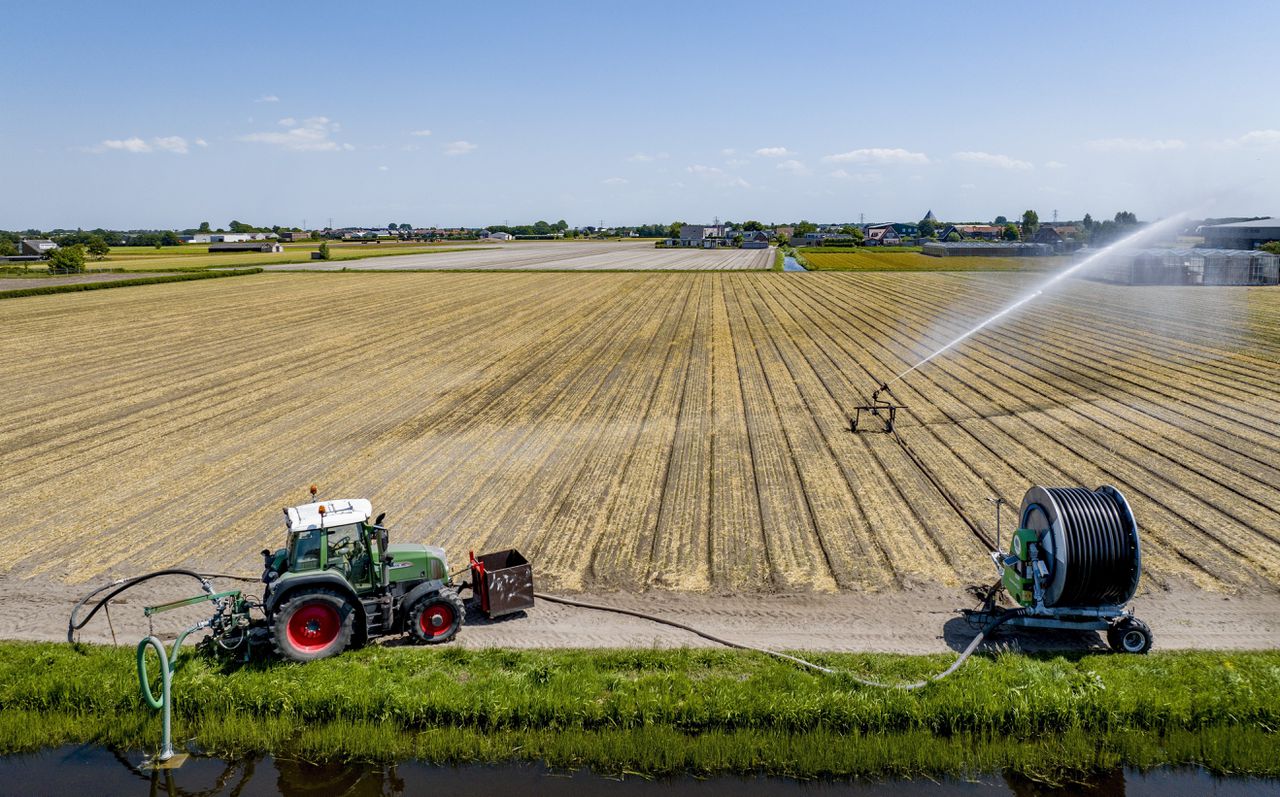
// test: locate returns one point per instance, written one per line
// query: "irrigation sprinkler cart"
(1073, 564)
(884, 410)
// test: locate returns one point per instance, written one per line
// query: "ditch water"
(789, 263)
(94, 770)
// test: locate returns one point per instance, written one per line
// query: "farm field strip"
(563, 256)
(633, 431)
(914, 261)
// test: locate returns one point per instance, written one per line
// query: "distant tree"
(204, 227)
(673, 231)
(98, 247)
(8, 248)
(753, 226)
(1271, 246)
(170, 238)
(1010, 232)
(1125, 217)
(926, 228)
(1030, 222)
(541, 228)
(561, 226)
(852, 230)
(1088, 222)
(324, 250)
(1000, 221)
(737, 239)
(67, 260)
(805, 227)
(953, 237)
(240, 226)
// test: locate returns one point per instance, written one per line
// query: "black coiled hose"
(1098, 562)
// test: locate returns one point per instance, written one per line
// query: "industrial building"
(1186, 267)
(1241, 234)
(250, 246)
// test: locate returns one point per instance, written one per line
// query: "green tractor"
(339, 583)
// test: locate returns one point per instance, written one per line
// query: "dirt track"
(917, 621)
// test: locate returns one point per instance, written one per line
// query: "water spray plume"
(1144, 235)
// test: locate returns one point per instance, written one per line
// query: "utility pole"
(1055, 215)
(862, 219)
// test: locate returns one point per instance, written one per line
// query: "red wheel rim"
(313, 627)
(436, 620)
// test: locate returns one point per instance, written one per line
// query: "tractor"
(338, 583)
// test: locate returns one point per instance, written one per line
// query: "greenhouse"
(985, 249)
(1185, 267)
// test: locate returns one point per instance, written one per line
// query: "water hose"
(123, 584)
(968, 651)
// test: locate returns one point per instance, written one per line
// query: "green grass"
(666, 711)
(778, 257)
(895, 260)
(76, 287)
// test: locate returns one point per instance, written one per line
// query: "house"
(930, 217)
(197, 238)
(288, 235)
(247, 246)
(1241, 234)
(882, 235)
(982, 232)
(784, 232)
(754, 239)
(1060, 237)
(36, 246)
(497, 236)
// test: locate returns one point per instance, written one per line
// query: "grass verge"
(74, 287)
(671, 711)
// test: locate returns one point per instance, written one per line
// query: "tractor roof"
(336, 513)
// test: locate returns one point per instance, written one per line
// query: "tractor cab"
(334, 535)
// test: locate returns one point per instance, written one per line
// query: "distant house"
(754, 239)
(981, 232)
(36, 246)
(1061, 237)
(289, 235)
(197, 238)
(882, 235)
(247, 246)
(784, 232)
(1241, 234)
(698, 235)
(497, 236)
(930, 217)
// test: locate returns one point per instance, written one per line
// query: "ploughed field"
(683, 431)
(563, 256)
(887, 259)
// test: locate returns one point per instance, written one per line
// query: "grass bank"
(668, 711)
(74, 287)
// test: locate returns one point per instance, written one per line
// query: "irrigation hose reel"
(1073, 563)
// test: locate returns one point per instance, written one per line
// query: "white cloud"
(1135, 144)
(173, 144)
(728, 152)
(309, 135)
(268, 98)
(615, 181)
(856, 177)
(988, 159)
(878, 155)
(1257, 139)
(200, 142)
(288, 121)
(423, 132)
(738, 182)
(644, 157)
(383, 168)
(454, 148)
(774, 152)
(1054, 165)
(706, 171)
(793, 167)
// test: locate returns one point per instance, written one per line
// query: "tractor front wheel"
(436, 618)
(312, 625)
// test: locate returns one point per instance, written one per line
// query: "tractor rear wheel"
(312, 625)
(436, 618)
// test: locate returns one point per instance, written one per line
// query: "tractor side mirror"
(378, 520)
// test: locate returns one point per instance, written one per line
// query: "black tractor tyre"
(1130, 635)
(313, 624)
(436, 618)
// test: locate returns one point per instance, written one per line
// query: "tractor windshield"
(304, 552)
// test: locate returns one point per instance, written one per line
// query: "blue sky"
(165, 115)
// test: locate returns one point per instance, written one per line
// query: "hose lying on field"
(968, 651)
(123, 584)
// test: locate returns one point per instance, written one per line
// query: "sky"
(151, 115)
